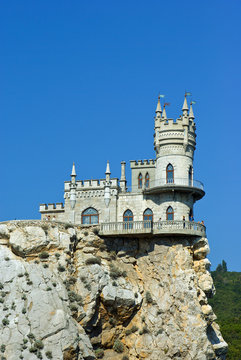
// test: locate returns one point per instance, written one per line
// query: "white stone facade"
(154, 186)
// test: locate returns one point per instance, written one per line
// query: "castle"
(163, 190)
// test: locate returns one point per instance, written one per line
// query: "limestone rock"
(70, 301)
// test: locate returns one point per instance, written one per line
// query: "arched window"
(90, 216)
(190, 176)
(128, 219)
(147, 180)
(148, 215)
(140, 181)
(170, 213)
(170, 174)
(128, 215)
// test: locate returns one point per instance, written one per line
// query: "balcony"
(184, 185)
(136, 228)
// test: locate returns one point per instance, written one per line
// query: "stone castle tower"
(162, 193)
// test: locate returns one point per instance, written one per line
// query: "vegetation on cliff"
(227, 306)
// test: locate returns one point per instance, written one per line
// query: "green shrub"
(128, 332)
(31, 336)
(49, 354)
(96, 231)
(24, 297)
(112, 321)
(118, 346)
(45, 266)
(24, 310)
(57, 255)
(149, 299)
(25, 341)
(1, 300)
(39, 344)
(115, 273)
(1, 286)
(73, 307)
(125, 357)
(114, 283)
(86, 233)
(49, 288)
(75, 297)
(43, 255)
(5, 308)
(5, 322)
(36, 261)
(2, 348)
(32, 349)
(61, 268)
(54, 284)
(7, 258)
(93, 260)
(99, 353)
(134, 329)
(144, 330)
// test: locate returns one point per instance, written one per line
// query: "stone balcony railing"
(135, 228)
(163, 183)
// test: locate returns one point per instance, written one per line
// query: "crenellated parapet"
(47, 208)
(83, 185)
(175, 136)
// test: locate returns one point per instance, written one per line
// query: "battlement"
(151, 163)
(58, 207)
(91, 184)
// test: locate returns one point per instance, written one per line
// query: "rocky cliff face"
(66, 293)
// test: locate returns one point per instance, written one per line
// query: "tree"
(224, 266)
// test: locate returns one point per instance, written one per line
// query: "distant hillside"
(227, 306)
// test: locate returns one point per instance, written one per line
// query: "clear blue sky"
(79, 82)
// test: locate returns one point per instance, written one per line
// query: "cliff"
(66, 293)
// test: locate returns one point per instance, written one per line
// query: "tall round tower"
(175, 143)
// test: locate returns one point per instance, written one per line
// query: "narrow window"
(90, 216)
(147, 180)
(170, 213)
(190, 176)
(170, 174)
(140, 181)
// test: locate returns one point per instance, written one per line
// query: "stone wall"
(66, 293)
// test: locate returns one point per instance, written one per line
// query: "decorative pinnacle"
(164, 114)
(185, 106)
(108, 168)
(158, 108)
(191, 114)
(73, 170)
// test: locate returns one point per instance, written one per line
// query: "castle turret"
(73, 187)
(123, 177)
(107, 185)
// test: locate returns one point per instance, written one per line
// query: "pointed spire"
(185, 106)
(164, 114)
(108, 168)
(158, 108)
(73, 170)
(191, 114)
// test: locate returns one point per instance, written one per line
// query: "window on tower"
(190, 176)
(147, 180)
(140, 181)
(170, 213)
(170, 174)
